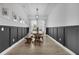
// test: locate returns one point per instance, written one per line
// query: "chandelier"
(37, 16)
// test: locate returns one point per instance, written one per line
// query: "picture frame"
(4, 11)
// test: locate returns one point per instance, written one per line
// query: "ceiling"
(28, 10)
(44, 9)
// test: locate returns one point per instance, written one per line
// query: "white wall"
(8, 20)
(64, 15)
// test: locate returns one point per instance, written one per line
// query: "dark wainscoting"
(19, 33)
(27, 29)
(67, 36)
(61, 35)
(4, 37)
(10, 34)
(55, 33)
(13, 35)
(72, 38)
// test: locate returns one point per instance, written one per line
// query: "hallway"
(48, 47)
(59, 22)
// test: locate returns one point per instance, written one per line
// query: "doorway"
(41, 25)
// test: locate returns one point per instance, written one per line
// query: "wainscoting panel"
(72, 38)
(19, 33)
(27, 29)
(61, 35)
(10, 34)
(50, 31)
(67, 36)
(55, 33)
(13, 35)
(22, 32)
(4, 38)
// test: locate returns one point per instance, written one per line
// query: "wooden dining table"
(38, 35)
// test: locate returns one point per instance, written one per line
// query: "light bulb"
(37, 16)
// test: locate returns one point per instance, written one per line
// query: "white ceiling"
(44, 9)
(41, 8)
(28, 10)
